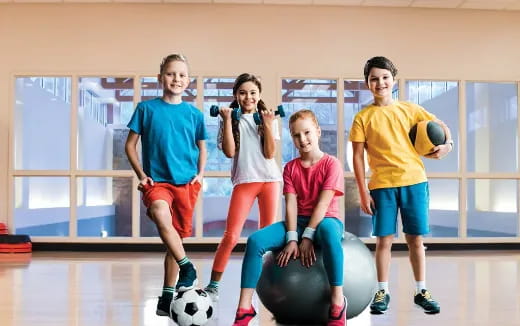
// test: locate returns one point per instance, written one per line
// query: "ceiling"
(453, 4)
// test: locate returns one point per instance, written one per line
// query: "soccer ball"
(191, 308)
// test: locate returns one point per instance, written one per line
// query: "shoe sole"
(186, 288)
(254, 321)
(160, 312)
(379, 312)
(428, 312)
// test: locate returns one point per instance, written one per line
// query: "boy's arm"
(290, 251)
(366, 201)
(228, 141)
(269, 141)
(201, 164)
(442, 150)
(133, 158)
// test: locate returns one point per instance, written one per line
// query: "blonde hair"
(170, 58)
(303, 114)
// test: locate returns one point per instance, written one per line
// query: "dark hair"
(381, 63)
(170, 58)
(244, 78)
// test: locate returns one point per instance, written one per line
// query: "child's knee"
(385, 242)
(230, 238)
(414, 242)
(256, 243)
(328, 230)
(158, 213)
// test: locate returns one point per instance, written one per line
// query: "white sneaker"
(212, 292)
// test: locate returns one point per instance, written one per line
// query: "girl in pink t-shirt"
(313, 183)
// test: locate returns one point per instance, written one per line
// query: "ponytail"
(234, 127)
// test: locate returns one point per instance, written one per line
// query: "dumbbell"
(258, 117)
(235, 114)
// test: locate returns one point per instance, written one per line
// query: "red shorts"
(181, 200)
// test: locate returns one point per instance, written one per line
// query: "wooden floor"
(95, 289)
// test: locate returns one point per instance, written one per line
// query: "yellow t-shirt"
(391, 155)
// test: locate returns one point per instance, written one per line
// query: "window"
(491, 127)
(217, 91)
(319, 95)
(105, 107)
(41, 124)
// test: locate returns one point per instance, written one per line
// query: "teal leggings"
(328, 237)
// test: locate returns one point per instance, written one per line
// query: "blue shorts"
(413, 203)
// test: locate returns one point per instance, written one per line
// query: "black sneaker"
(424, 300)
(163, 306)
(187, 278)
(380, 303)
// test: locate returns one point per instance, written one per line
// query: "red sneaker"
(338, 314)
(245, 317)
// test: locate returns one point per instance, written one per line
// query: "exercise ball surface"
(298, 295)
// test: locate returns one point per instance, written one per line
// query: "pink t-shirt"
(307, 183)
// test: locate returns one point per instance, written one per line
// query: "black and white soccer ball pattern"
(191, 308)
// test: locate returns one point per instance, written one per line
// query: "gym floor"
(474, 288)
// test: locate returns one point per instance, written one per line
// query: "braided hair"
(244, 78)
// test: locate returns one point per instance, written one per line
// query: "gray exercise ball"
(298, 295)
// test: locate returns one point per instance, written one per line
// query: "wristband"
(308, 233)
(291, 236)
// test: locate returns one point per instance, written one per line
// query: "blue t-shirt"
(169, 135)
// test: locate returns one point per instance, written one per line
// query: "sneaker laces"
(211, 290)
(426, 295)
(380, 296)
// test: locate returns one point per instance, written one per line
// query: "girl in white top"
(254, 174)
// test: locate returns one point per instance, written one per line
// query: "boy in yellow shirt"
(398, 180)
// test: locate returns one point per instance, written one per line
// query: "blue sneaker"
(380, 303)
(187, 278)
(424, 300)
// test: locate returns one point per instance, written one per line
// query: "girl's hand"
(289, 252)
(197, 178)
(307, 254)
(439, 151)
(367, 203)
(143, 182)
(225, 112)
(267, 117)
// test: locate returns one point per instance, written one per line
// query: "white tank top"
(250, 164)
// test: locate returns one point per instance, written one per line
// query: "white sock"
(420, 285)
(383, 286)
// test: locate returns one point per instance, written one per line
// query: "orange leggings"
(242, 200)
